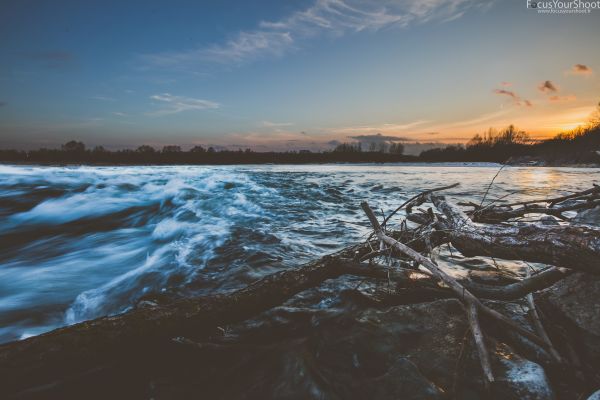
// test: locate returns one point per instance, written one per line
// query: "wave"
(115, 234)
(82, 242)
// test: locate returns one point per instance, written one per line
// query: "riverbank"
(516, 163)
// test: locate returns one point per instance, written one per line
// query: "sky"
(289, 75)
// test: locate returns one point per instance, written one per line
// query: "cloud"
(2, 103)
(506, 84)
(506, 92)
(379, 128)
(270, 124)
(247, 45)
(378, 138)
(580, 69)
(547, 87)
(119, 114)
(562, 99)
(324, 17)
(515, 97)
(469, 123)
(551, 90)
(177, 104)
(103, 98)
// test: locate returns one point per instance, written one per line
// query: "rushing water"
(81, 242)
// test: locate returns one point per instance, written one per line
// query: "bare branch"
(471, 302)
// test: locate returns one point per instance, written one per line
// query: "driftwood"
(472, 303)
(554, 206)
(46, 359)
(567, 246)
(539, 327)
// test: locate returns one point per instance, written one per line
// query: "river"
(81, 242)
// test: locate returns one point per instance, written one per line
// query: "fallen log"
(593, 191)
(504, 213)
(491, 213)
(568, 246)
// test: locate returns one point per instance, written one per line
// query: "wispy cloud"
(547, 87)
(507, 93)
(175, 104)
(378, 138)
(2, 103)
(103, 98)
(550, 89)
(270, 124)
(324, 17)
(562, 99)
(517, 100)
(119, 114)
(580, 69)
(482, 119)
(378, 128)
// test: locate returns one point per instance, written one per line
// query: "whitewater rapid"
(81, 242)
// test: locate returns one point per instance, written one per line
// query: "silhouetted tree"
(73, 147)
(145, 149)
(396, 148)
(511, 136)
(171, 149)
(347, 148)
(197, 149)
(594, 121)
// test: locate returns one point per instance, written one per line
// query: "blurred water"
(81, 242)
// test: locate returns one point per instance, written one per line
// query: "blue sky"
(289, 74)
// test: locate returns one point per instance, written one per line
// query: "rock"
(573, 303)
(549, 220)
(595, 395)
(408, 352)
(522, 379)
(588, 217)
(402, 380)
(411, 352)
(146, 304)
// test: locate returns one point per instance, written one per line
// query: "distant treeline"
(510, 145)
(580, 146)
(76, 152)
